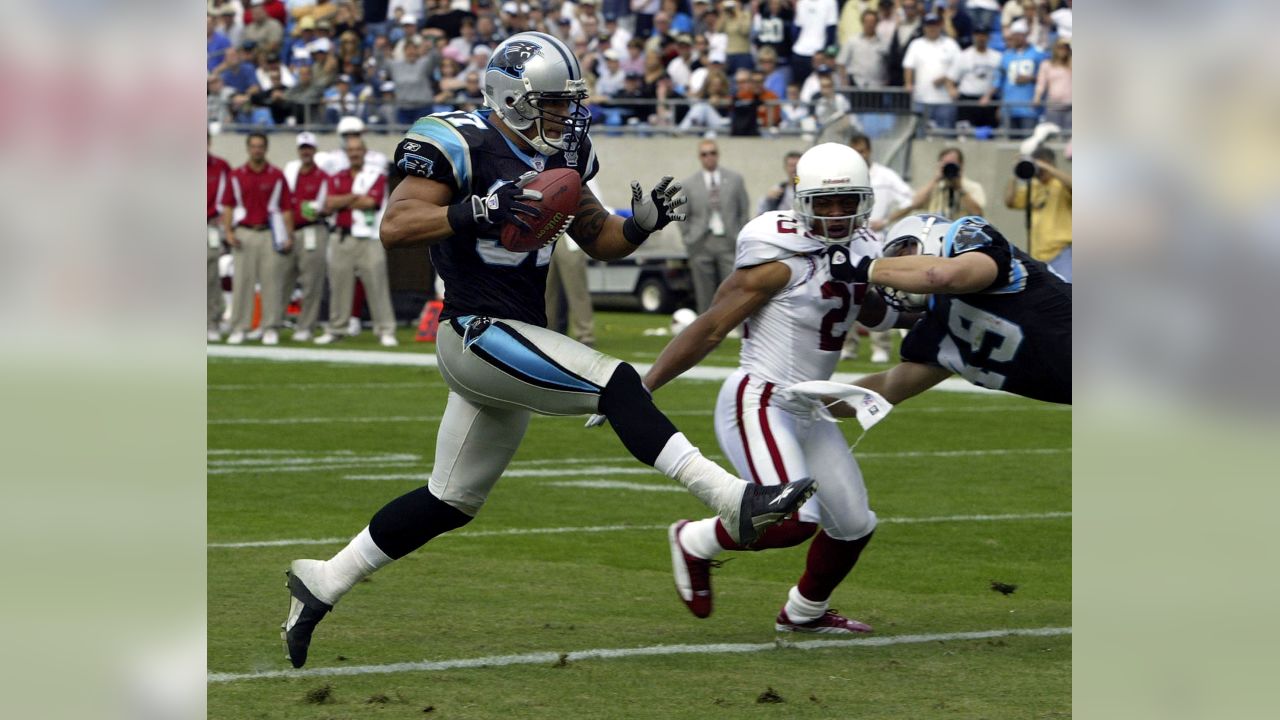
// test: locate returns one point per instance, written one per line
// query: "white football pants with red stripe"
(772, 440)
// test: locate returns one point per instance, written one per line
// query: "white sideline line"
(416, 359)
(624, 528)
(547, 658)
(317, 460)
(324, 420)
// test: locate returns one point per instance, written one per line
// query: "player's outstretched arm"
(609, 237)
(900, 382)
(741, 294)
(417, 213)
(967, 273)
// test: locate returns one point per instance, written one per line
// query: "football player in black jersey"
(464, 180)
(993, 315)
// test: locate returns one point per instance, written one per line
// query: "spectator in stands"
(891, 192)
(271, 73)
(1019, 68)
(229, 23)
(347, 19)
(356, 197)
(272, 96)
(796, 114)
(218, 100)
(829, 106)
(714, 104)
(680, 69)
(925, 71)
(768, 114)
(948, 193)
(340, 100)
(973, 76)
(612, 78)
(412, 77)
(488, 32)
(466, 40)
(633, 62)
(381, 109)
(237, 72)
(662, 37)
(956, 23)
(1062, 21)
(681, 22)
(216, 43)
(470, 96)
(1041, 34)
(448, 15)
(449, 78)
(324, 66)
(782, 195)
(824, 63)
(984, 13)
(618, 36)
(909, 27)
(735, 24)
(317, 10)
(305, 98)
(815, 30)
(630, 101)
(1053, 85)
(1050, 240)
(775, 78)
(644, 12)
(265, 31)
(774, 28)
(718, 208)
(654, 70)
(745, 120)
(863, 56)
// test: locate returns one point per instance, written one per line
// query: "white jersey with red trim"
(798, 334)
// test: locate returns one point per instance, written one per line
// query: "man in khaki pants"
(355, 197)
(255, 227)
(306, 262)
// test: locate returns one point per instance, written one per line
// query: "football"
(560, 190)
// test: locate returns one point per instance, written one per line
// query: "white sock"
(801, 609)
(708, 482)
(359, 559)
(699, 538)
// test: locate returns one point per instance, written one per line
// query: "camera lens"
(951, 171)
(1025, 169)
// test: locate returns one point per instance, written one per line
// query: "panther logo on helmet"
(514, 56)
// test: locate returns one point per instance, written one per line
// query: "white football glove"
(596, 421)
(660, 206)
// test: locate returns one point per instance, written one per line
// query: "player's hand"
(503, 206)
(596, 421)
(658, 208)
(232, 241)
(844, 269)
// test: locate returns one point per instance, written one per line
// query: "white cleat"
(235, 338)
(302, 336)
(327, 339)
(213, 336)
(271, 337)
(353, 326)
(388, 340)
(255, 334)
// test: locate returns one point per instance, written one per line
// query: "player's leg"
(276, 288)
(761, 442)
(213, 293)
(245, 281)
(474, 445)
(847, 526)
(515, 364)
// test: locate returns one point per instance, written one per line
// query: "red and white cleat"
(692, 574)
(831, 622)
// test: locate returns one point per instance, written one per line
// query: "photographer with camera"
(1049, 216)
(949, 193)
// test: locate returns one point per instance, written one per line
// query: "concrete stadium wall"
(758, 159)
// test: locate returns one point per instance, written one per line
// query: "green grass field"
(970, 489)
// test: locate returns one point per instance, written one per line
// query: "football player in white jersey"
(792, 291)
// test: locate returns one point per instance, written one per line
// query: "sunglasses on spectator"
(706, 153)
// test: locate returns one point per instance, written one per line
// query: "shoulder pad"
(771, 236)
(431, 141)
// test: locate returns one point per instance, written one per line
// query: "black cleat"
(765, 506)
(305, 612)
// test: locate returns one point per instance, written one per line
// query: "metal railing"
(613, 116)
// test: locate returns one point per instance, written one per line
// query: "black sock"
(408, 522)
(641, 426)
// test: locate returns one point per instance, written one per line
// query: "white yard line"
(548, 658)
(324, 386)
(619, 485)
(629, 528)
(416, 359)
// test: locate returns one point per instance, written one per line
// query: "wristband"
(462, 218)
(632, 233)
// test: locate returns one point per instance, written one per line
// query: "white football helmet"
(527, 70)
(913, 235)
(831, 170)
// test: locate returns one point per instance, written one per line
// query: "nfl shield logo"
(539, 163)
(571, 159)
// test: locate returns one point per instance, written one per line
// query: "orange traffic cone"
(429, 321)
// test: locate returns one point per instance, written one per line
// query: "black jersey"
(466, 152)
(1014, 336)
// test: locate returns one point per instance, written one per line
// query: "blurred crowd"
(742, 68)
